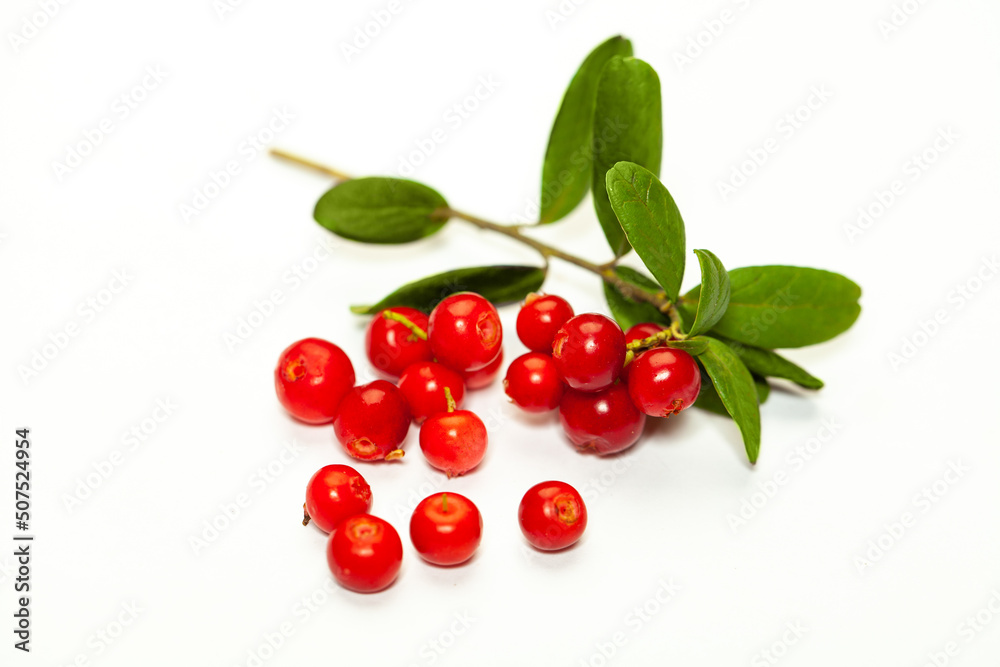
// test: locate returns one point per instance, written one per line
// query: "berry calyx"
(364, 553)
(372, 421)
(454, 441)
(465, 332)
(603, 422)
(540, 318)
(446, 529)
(396, 338)
(552, 516)
(485, 376)
(589, 351)
(424, 384)
(311, 378)
(663, 381)
(533, 382)
(334, 493)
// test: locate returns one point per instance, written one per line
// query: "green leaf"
(628, 127)
(380, 210)
(708, 399)
(628, 312)
(735, 387)
(693, 346)
(568, 166)
(499, 284)
(714, 292)
(783, 306)
(650, 219)
(771, 364)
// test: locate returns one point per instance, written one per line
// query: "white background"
(661, 513)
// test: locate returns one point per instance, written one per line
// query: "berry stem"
(605, 271)
(406, 322)
(305, 516)
(451, 400)
(444, 502)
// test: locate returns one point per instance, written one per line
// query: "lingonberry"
(423, 385)
(589, 351)
(364, 553)
(372, 421)
(642, 331)
(540, 318)
(446, 529)
(454, 441)
(311, 378)
(397, 338)
(533, 382)
(485, 376)
(664, 381)
(334, 493)
(604, 422)
(552, 515)
(465, 332)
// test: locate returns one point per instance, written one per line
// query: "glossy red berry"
(372, 421)
(446, 529)
(334, 493)
(642, 331)
(604, 422)
(423, 385)
(311, 378)
(485, 376)
(540, 318)
(533, 382)
(453, 442)
(392, 345)
(465, 332)
(589, 351)
(552, 515)
(364, 553)
(664, 381)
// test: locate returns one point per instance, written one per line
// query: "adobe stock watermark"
(86, 312)
(102, 639)
(120, 109)
(711, 30)
(795, 460)
(632, 624)
(958, 298)
(223, 8)
(130, 442)
(435, 647)
(231, 510)
(911, 171)
(453, 118)
(366, 33)
(752, 329)
(562, 12)
(31, 25)
(966, 632)
(921, 504)
(264, 307)
(773, 654)
(898, 17)
(252, 146)
(785, 129)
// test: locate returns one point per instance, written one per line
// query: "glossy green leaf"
(499, 284)
(568, 167)
(380, 210)
(783, 306)
(628, 127)
(736, 389)
(771, 364)
(714, 292)
(693, 346)
(628, 312)
(708, 399)
(650, 220)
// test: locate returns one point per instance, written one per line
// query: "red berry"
(540, 318)
(465, 332)
(643, 330)
(454, 442)
(334, 493)
(391, 345)
(311, 378)
(552, 515)
(446, 529)
(485, 376)
(372, 421)
(423, 385)
(664, 381)
(533, 382)
(589, 351)
(605, 422)
(364, 553)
